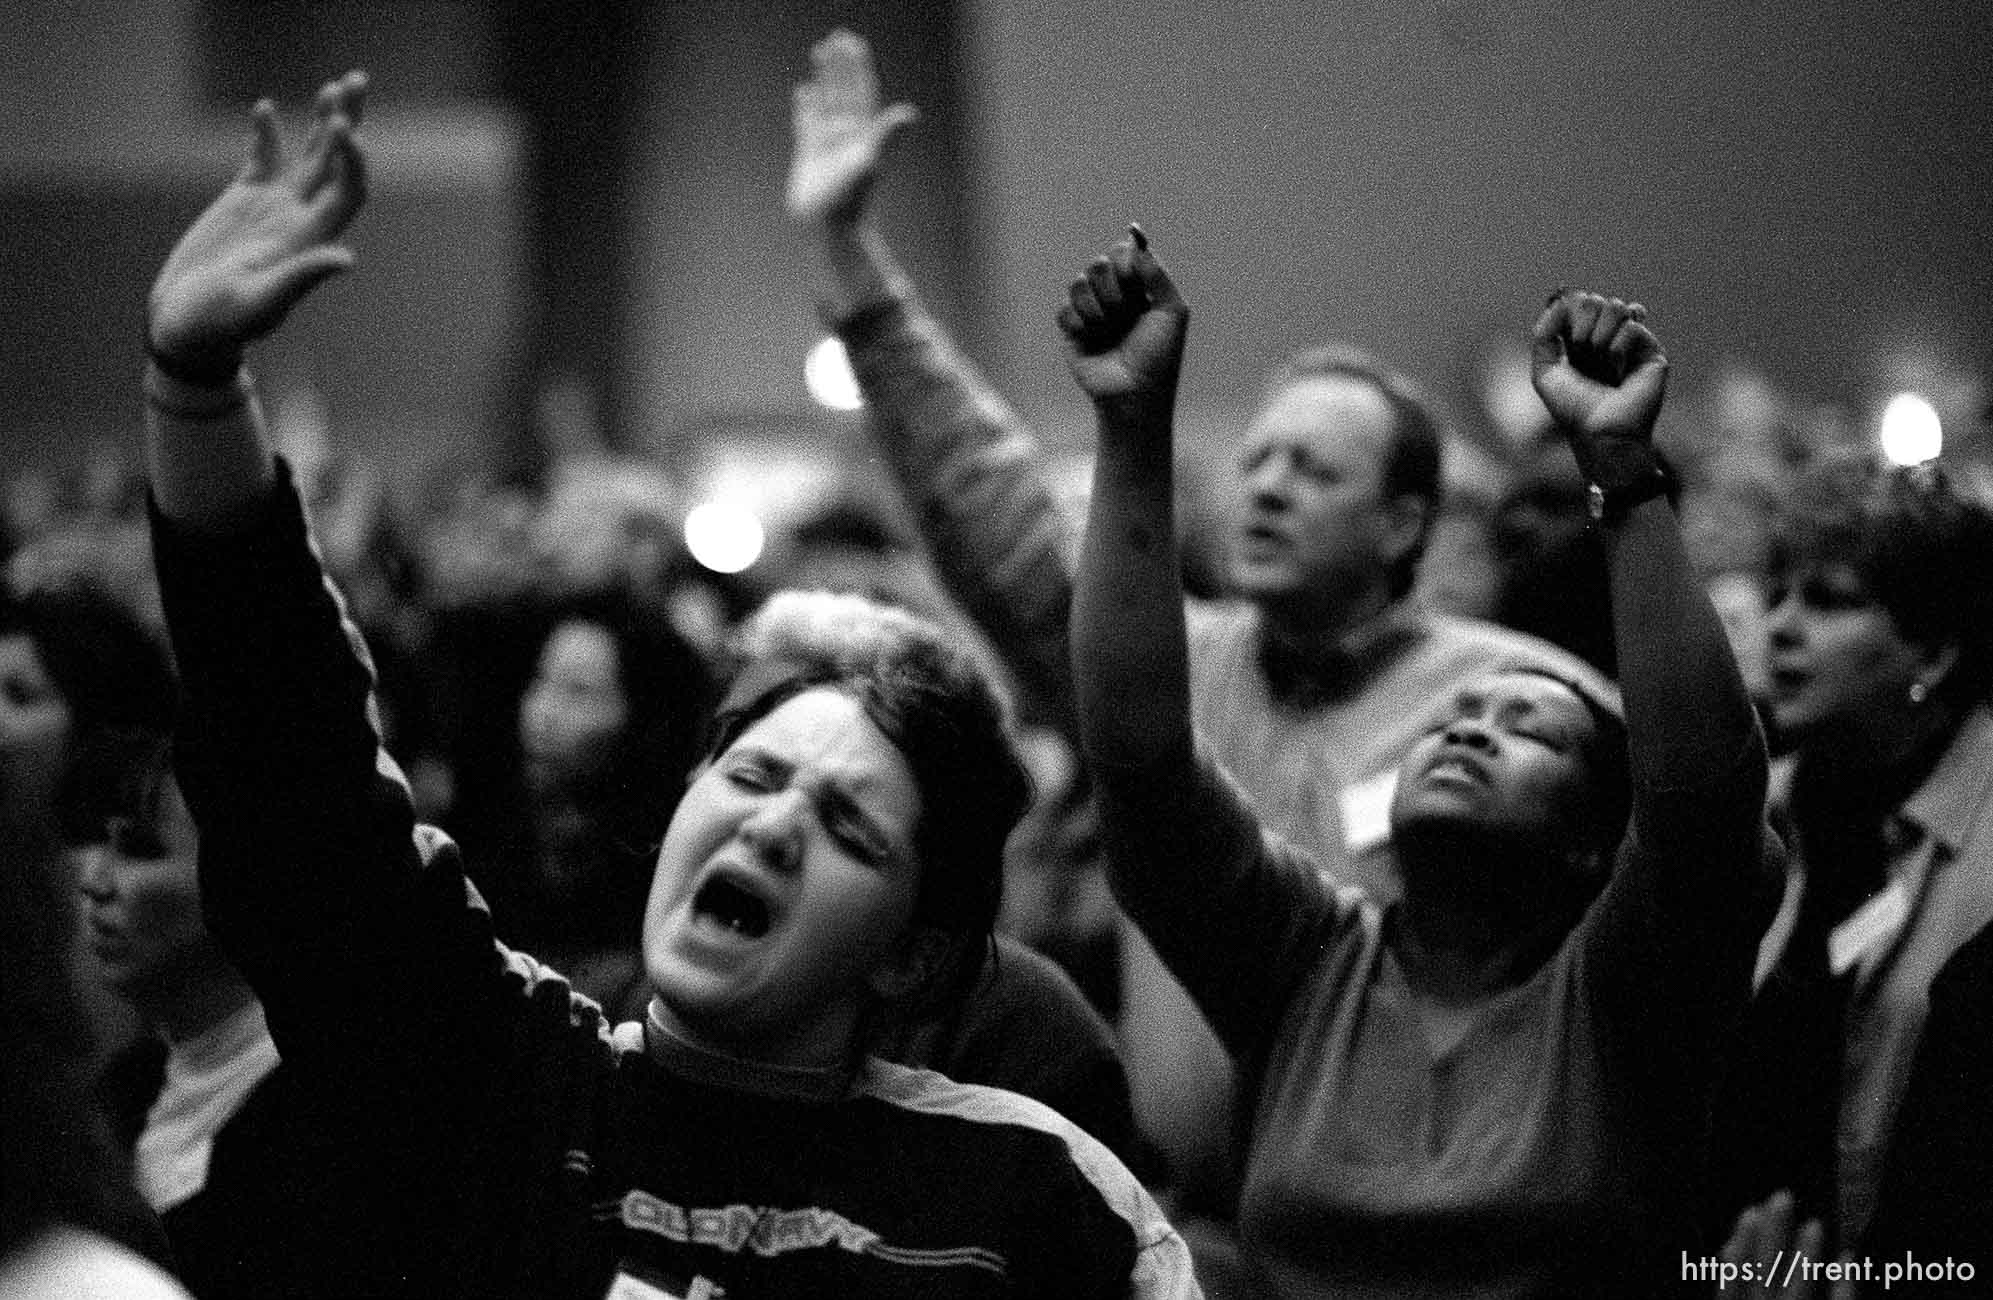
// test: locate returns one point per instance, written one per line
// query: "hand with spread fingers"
(265, 243)
(1602, 374)
(1125, 321)
(1773, 1253)
(841, 132)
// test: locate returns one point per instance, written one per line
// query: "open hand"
(840, 131)
(1125, 321)
(266, 241)
(1772, 1253)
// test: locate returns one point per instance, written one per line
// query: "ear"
(1938, 664)
(1407, 520)
(914, 965)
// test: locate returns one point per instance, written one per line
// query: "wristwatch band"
(1610, 505)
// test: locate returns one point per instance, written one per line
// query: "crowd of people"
(487, 902)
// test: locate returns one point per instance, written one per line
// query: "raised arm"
(1223, 905)
(312, 877)
(233, 277)
(1667, 950)
(1689, 717)
(971, 468)
(1125, 322)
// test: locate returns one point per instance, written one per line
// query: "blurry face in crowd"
(1838, 667)
(1312, 524)
(143, 901)
(784, 895)
(575, 708)
(33, 714)
(34, 721)
(1507, 757)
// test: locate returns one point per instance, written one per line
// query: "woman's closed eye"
(750, 774)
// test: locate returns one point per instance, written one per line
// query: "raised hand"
(1601, 372)
(1768, 1255)
(840, 131)
(1125, 321)
(265, 243)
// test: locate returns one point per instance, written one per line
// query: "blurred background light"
(828, 373)
(1911, 430)
(726, 538)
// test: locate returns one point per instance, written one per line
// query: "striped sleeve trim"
(1162, 1259)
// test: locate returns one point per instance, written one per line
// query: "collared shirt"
(208, 1078)
(1940, 866)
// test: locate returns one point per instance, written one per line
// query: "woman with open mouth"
(835, 863)
(1879, 654)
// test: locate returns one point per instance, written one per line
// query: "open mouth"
(727, 904)
(1456, 769)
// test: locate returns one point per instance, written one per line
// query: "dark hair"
(668, 689)
(940, 710)
(111, 669)
(666, 682)
(62, 1164)
(1922, 542)
(1418, 431)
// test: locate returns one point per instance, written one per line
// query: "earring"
(1919, 692)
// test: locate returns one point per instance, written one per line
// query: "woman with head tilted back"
(1496, 1086)
(837, 856)
(1880, 653)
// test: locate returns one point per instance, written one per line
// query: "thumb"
(1546, 342)
(1156, 281)
(891, 121)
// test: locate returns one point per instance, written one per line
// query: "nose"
(774, 831)
(1267, 482)
(1471, 733)
(1782, 621)
(99, 882)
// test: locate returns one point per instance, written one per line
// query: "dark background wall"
(1801, 186)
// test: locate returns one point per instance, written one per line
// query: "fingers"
(335, 112)
(1155, 281)
(341, 190)
(842, 69)
(889, 123)
(1604, 337)
(353, 95)
(1546, 337)
(1103, 276)
(266, 150)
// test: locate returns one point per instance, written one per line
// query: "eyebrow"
(834, 794)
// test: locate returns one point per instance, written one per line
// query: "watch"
(1610, 505)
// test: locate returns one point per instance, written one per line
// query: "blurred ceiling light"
(725, 538)
(828, 373)
(1911, 430)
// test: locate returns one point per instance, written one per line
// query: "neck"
(1309, 628)
(1476, 920)
(1883, 765)
(702, 1058)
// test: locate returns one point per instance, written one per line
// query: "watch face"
(1595, 501)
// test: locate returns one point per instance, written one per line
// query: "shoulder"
(995, 1112)
(72, 1264)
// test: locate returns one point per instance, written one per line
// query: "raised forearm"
(1688, 713)
(1129, 649)
(974, 475)
(209, 461)
(858, 267)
